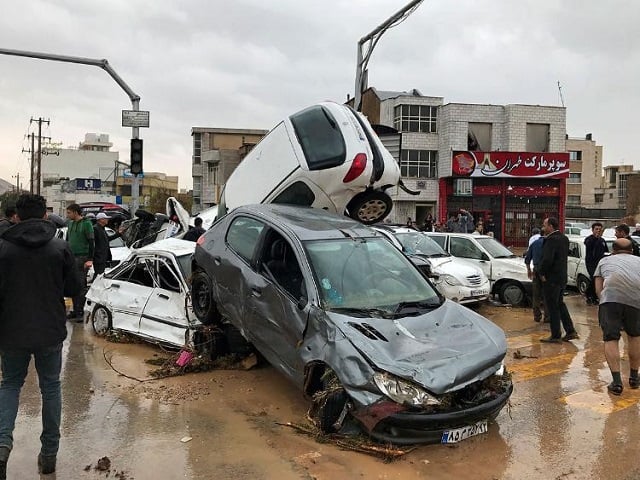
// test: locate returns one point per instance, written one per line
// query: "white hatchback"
(326, 156)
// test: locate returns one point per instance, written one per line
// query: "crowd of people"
(461, 221)
(613, 287)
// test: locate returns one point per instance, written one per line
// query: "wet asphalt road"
(562, 423)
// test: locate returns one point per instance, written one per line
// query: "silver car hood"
(442, 350)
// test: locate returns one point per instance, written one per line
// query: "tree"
(8, 198)
(158, 200)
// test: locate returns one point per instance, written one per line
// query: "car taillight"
(357, 167)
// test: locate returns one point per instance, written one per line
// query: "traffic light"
(136, 156)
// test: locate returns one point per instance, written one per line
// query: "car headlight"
(450, 279)
(402, 391)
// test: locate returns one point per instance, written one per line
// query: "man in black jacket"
(10, 218)
(101, 249)
(595, 250)
(553, 273)
(36, 273)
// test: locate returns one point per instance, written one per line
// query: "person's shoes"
(570, 336)
(551, 340)
(615, 388)
(46, 464)
(634, 382)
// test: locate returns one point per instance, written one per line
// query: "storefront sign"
(510, 164)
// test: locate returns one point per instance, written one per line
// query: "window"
(462, 186)
(243, 236)
(320, 137)
(479, 137)
(622, 186)
(574, 249)
(575, 155)
(537, 137)
(212, 174)
(197, 148)
(573, 199)
(419, 163)
(297, 193)
(598, 197)
(415, 118)
(575, 178)
(464, 248)
(281, 265)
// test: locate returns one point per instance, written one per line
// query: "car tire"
(204, 306)
(582, 283)
(101, 321)
(329, 409)
(512, 293)
(370, 207)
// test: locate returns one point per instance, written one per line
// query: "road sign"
(126, 173)
(134, 118)
(88, 184)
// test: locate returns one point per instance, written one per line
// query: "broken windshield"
(419, 243)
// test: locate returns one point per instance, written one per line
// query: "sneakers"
(615, 388)
(46, 464)
(634, 382)
(570, 336)
(551, 340)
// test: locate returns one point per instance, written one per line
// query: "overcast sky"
(249, 63)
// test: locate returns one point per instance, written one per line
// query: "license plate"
(477, 293)
(458, 434)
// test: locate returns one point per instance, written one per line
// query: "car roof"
(171, 245)
(469, 235)
(308, 223)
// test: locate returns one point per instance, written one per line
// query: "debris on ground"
(103, 465)
(519, 355)
(117, 336)
(186, 439)
(172, 395)
(168, 366)
(358, 443)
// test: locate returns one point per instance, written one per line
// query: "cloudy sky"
(249, 63)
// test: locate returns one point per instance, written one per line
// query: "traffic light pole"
(104, 64)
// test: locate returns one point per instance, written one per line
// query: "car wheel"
(370, 207)
(512, 293)
(202, 299)
(101, 321)
(329, 409)
(582, 284)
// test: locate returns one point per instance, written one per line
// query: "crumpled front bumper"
(406, 428)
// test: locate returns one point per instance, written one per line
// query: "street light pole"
(362, 59)
(103, 64)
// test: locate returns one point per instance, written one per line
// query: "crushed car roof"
(172, 245)
(309, 223)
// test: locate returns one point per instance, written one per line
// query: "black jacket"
(5, 223)
(193, 234)
(36, 272)
(596, 248)
(555, 251)
(101, 249)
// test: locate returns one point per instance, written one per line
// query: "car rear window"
(297, 193)
(320, 138)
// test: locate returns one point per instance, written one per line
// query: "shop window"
(462, 186)
(479, 137)
(537, 137)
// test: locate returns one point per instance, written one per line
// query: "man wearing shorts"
(616, 280)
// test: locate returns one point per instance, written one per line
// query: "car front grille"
(473, 280)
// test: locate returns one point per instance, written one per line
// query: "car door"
(277, 304)
(573, 262)
(232, 262)
(131, 287)
(302, 192)
(463, 247)
(165, 315)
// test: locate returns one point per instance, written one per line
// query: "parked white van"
(325, 156)
(506, 271)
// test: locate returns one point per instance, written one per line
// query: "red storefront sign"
(510, 164)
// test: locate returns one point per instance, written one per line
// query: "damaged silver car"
(351, 321)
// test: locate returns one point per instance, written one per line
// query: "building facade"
(510, 199)
(216, 153)
(585, 173)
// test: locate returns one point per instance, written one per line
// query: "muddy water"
(561, 422)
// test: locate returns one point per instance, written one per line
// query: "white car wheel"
(101, 321)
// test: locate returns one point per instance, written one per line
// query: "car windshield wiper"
(364, 312)
(418, 307)
(513, 255)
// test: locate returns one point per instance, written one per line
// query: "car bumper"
(405, 428)
(464, 295)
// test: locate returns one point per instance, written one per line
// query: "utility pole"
(104, 64)
(39, 157)
(17, 186)
(372, 38)
(32, 163)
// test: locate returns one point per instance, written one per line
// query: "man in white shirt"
(616, 281)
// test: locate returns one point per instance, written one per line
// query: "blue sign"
(118, 199)
(88, 184)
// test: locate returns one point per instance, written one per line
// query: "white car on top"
(455, 278)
